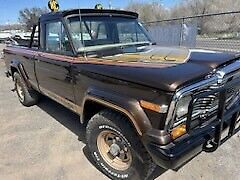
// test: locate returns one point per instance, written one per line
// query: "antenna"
(110, 4)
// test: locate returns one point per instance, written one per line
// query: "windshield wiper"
(109, 46)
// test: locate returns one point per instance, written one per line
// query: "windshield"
(94, 32)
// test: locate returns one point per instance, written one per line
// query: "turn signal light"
(150, 106)
(178, 131)
(154, 107)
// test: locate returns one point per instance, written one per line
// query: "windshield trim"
(84, 48)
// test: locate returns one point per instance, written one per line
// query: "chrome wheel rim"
(114, 150)
(20, 90)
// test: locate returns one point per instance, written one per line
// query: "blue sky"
(10, 8)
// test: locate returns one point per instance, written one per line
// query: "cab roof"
(86, 12)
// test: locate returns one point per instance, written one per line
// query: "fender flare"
(19, 67)
(127, 106)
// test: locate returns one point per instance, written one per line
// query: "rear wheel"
(26, 96)
(116, 148)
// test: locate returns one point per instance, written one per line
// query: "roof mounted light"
(53, 5)
(99, 6)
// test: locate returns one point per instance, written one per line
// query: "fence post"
(181, 33)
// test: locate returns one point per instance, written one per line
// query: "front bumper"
(177, 153)
(208, 136)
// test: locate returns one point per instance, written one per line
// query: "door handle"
(39, 55)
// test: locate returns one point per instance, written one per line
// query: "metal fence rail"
(218, 31)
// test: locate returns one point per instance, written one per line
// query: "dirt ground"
(47, 142)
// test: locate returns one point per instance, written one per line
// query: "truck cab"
(142, 104)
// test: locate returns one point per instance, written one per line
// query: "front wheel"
(116, 148)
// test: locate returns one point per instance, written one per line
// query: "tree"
(193, 7)
(212, 24)
(29, 17)
(152, 11)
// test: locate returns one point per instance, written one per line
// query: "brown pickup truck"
(142, 104)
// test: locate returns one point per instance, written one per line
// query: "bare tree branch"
(29, 17)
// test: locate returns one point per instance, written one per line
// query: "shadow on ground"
(71, 121)
(64, 116)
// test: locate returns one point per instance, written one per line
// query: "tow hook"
(210, 146)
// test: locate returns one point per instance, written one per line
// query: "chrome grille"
(233, 96)
(205, 107)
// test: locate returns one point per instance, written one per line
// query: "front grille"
(233, 96)
(222, 85)
(205, 108)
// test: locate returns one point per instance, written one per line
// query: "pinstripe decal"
(83, 60)
(68, 104)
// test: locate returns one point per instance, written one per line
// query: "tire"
(28, 97)
(137, 163)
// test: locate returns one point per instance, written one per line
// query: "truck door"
(53, 64)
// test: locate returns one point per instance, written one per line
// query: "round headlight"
(182, 107)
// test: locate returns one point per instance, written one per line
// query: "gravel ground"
(47, 142)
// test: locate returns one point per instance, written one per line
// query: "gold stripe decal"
(68, 104)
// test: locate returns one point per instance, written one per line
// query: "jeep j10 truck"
(143, 105)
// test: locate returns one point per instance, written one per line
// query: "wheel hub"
(114, 150)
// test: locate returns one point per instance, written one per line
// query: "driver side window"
(56, 39)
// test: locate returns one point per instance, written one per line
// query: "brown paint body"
(72, 78)
(120, 82)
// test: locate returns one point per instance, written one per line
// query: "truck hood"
(162, 68)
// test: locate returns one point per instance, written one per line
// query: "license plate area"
(226, 113)
(223, 132)
(228, 131)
